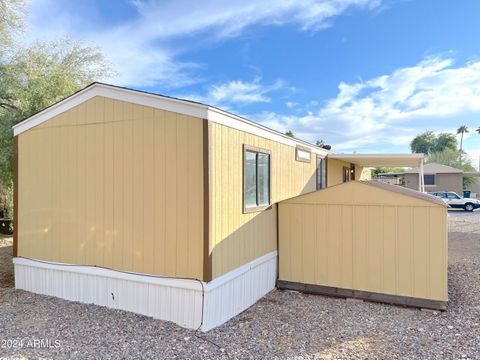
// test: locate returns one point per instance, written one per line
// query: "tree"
(12, 20)
(35, 77)
(320, 143)
(386, 170)
(478, 130)
(428, 143)
(445, 141)
(38, 77)
(290, 133)
(462, 130)
(423, 143)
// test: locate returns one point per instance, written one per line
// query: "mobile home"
(156, 205)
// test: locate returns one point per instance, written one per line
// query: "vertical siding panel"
(195, 198)
(82, 179)
(74, 199)
(108, 183)
(224, 203)
(347, 246)
(389, 250)
(360, 246)
(436, 253)
(118, 186)
(138, 188)
(160, 203)
(91, 178)
(34, 245)
(99, 200)
(65, 251)
(182, 193)
(333, 249)
(308, 245)
(148, 193)
(296, 223)
(404, 230)
(237, 158)
(320, 244)
(285, 235)
(128, 185)
(375, 249)
(171, 194)
(420, 258)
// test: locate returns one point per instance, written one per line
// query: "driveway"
(282, 325)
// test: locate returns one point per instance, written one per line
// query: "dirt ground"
(282, 325)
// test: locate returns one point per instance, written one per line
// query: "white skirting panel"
(170, 299)
(239, 289)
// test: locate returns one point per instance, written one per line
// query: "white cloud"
(392, 108)
(237, 93)
(291, 104)
(145, 48)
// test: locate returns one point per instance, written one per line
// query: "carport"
(368, 240)
(388, 160)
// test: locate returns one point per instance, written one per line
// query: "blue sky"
(363, 75)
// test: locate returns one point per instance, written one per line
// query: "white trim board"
(177, 300)
(185, 107)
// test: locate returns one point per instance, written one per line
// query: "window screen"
(321, 173)
(256, 178)
(429, 179)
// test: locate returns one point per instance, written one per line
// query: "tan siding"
(92, 189)
(238, 238)
(395, 245)
(335, 171)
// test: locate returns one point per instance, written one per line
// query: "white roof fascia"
(164, 103)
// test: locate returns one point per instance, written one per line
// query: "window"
(346, 174)
(453, 196)
(321, 173)
(429, 179)
(256, 186)
(303, 154)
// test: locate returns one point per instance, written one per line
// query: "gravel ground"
(282, 325)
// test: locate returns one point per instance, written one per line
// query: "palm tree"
(462, 130)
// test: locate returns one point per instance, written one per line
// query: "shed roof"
(369, 192)
(168, 103)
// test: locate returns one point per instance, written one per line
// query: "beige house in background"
(163, 206)
(437, 177)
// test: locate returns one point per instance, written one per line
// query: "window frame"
(319, 175)
(258, 208)
(434, 179)
(345, 174)
(305, 149)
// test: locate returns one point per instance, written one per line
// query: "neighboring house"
(160, 206)
(475, 188)
(437, 177)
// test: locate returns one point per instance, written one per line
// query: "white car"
(456, 201)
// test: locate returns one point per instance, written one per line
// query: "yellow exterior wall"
(335, 171)
(363, 173)
(237, 238)
(356, 236)
(114, 184)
